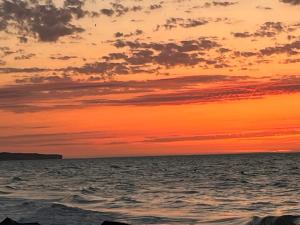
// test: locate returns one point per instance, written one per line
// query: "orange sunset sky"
(89, 78)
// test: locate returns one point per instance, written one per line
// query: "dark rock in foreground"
(27, 156)
(113, 223)
(276, 220)
(269, 220)
(9, 221)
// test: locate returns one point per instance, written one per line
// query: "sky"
(93, 78)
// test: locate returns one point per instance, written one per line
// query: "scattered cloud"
(5, 51)
(137, 32)
(42, 79)
(268, 29)
(187, 53)
(156, 6)
(292, 2)
(107, 12)
(175, 22)
(290, 49)
(117, 9)
(288, 61)
(219, 3)
(264, 7)
(65, 57)
(25, 56)
(41, 19)
(7, 70)
(143, 57)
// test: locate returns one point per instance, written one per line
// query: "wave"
(73, 199)
(48, 212)
(16, 179)
(4, 192)
(60, 214)
(89, 190)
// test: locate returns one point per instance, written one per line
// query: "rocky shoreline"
(268, 220)
(9, 221)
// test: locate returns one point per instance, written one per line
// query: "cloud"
(5, 51)
(175, 22)
(290, 49)
(156, 6)
(222, 136)
(137, 32)
(234, 92)
(219, 3)
(242, 34)
(288, 61)
(107, 12)
(37, 127)
(245, 54)
(292, 2)
(65, 57)
(33, 94)
(264, 7)
(45, 139)
(117, 9)
(24, 57)
(46, 94)
(22, 70)
(42, 79)
(268, 29)
(104, 68)
(169, 54)
(147, 57)
(41, 19)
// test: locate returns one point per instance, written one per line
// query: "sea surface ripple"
(212, 190)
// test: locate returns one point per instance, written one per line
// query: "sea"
(205, 189)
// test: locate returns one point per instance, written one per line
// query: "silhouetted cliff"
(27, 156)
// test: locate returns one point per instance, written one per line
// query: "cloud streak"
(234, 92)
(224, 136)
(68, 94)
(42, 139)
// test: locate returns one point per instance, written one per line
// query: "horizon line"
(176, 155)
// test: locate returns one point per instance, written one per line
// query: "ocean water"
(212, 190)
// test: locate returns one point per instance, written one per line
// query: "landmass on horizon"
(5, 156)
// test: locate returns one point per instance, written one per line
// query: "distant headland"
(27, 156)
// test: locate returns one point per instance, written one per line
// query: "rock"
(286, 220)
(9, 221)
(273, 220)
(111, 223)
